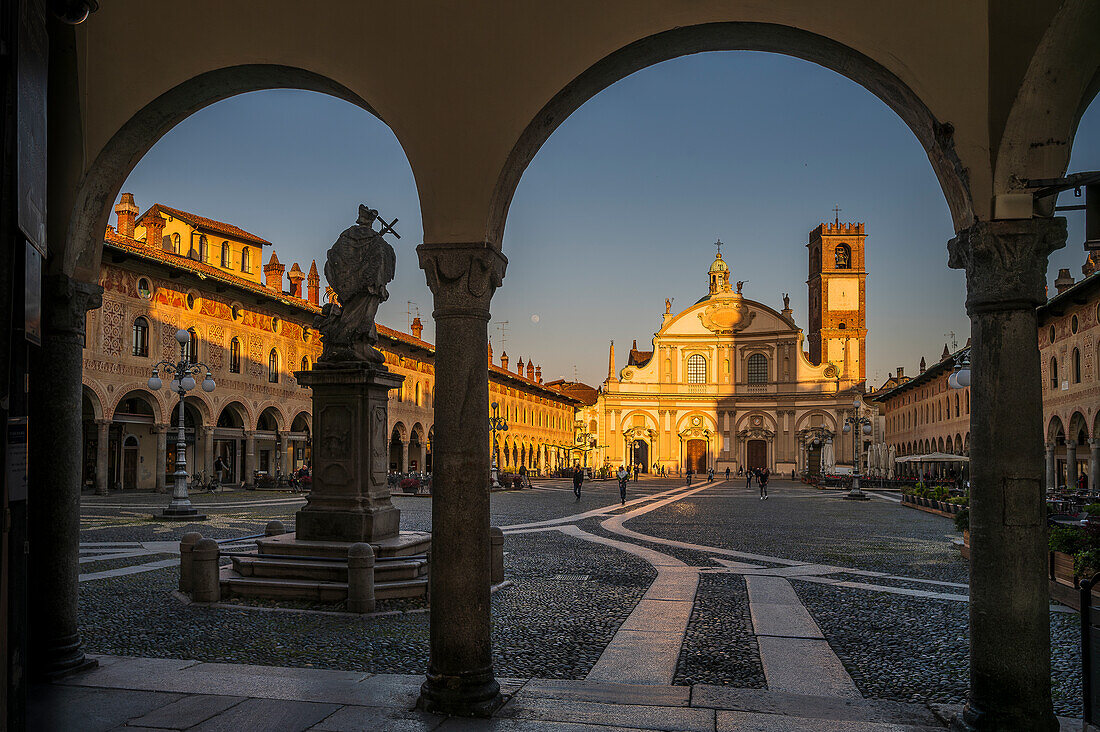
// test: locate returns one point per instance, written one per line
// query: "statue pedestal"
(350, 499)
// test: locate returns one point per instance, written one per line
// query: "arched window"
(202, 253)
(757, 371)
(417, 394)
(968, 401)
(843, 256)
(305, 363)
(273, 367)
(956, 405)
(1053, 372)
(191, 348)
(141, 337)
(697, 370)
(227, 255)
(235, 356)
(246, 260)
(1076, 366)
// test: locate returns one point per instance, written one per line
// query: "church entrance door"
(813, 460)
(641, 455)
(696, 456)
(756, 454)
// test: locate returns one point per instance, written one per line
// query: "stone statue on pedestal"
(360, 265)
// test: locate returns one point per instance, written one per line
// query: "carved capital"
(64, 303)
(462, 277)
(1006, 262)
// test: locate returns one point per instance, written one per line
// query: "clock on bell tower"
(838, 291)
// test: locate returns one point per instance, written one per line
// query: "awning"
(934, 457)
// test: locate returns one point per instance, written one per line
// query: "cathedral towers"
(838, 297)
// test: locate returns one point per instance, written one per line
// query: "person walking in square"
(748, 478)
(689, 475)
(727, 474)
(710, 474)
(762, 479)
(578, 478)
(637, 469)
(623, 477)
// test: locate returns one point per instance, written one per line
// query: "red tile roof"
(205, 224)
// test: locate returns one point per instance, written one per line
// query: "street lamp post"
(857, 424)
(183, 380)
(496, 423)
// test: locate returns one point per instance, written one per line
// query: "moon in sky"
(535, 318)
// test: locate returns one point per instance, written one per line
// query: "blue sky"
(621, 207)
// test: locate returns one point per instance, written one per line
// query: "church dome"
(719, 265)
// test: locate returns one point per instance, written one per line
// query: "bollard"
(205, 579)
(496, 558)
(187, 544)
(428, 586)
(274, 528)
(361, 578)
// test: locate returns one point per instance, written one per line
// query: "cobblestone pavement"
(889, 595)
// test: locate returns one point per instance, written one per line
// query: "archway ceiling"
(460, 83)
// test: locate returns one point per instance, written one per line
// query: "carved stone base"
(350, 498)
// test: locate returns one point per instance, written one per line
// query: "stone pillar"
(207, 451)
(1051, 475)
(463, 278)
(1005, 263)
(1094, 464)
(285, 464)
(54, 473)
(249, 456)
(404, 456)
(102, 459)
(361, 578)
(349, 499)
(159, 471)
(1071, 463)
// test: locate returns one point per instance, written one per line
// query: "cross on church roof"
(719, 245)
(836, 210)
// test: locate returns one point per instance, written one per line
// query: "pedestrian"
(637, 469)
(578, 478)
(748, 478)
(523, 476)
(740, 469)
(623, 477)
(727, 474)
(762, 479)
(688, 473)
(221, 466)
(710, 474)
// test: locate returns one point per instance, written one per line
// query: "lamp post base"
(179, 514)
(856, 494)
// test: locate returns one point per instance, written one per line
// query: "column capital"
(103, 422)
(159, 428)
(462, 277)
(65, 301)
(1006, 262)
(1095, 443)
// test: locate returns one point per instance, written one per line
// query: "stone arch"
(97, 397)
(93, 200)
(243, 416)
(275, 413)
(628, 419)
(145, 394)
(418, 432)
(685, 421)
(1055, 429)
(200, 402)
(744, 422)
(828, 420)
(400, 430)
(302, 419)
(1060, 82)
(1078, 425)
(934, 136)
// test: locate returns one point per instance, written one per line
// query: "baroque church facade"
(732, 382)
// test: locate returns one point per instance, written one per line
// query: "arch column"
(207, 451)
(1094, 463)
(54, 470)
(1071, 463)
(460, 680)
(1005, 263)
(284, 462)
(1051, 477)
(249, 456)
(160, 471)
(102, 459)
(404, 456)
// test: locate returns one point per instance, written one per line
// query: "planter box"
(1061, 567)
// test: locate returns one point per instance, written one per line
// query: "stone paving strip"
(141, 693)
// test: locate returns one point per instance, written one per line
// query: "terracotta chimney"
(1064, 281)
(538, 373)
(154, 231)
(418, 329)
(946, 353)
(273, 274)
(127, 212)
(519, 366)
(504, 360)
(490, 353)
(530, 371)
(901, 372)
(296, 276)
(313, 284)
(922, 365)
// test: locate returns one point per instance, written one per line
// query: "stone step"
(386, 570)
(405, 544)
(234, 585)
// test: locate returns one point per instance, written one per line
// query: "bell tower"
(838, 298)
